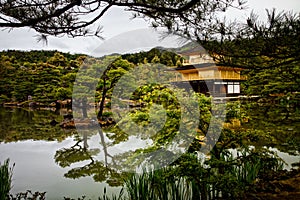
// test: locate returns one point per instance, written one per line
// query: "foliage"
(110, 77)
(154, 185)
(5, 179)
(276, 123)
(161, 55)
(107, 114)
(269, 53)
(36, 56)
(46, 76)
(75, 18)
(227, 176)
(28, 195)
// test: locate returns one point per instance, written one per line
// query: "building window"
(236, 88)
(230, 89)
(233, 88)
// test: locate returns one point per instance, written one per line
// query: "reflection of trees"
(98, 170)
(19, 124)
(66, 156)
(106, 154)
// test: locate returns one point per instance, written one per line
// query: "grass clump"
(5, 179)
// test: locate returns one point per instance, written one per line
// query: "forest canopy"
(48, 76)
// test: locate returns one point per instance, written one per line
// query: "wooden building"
(200, 71)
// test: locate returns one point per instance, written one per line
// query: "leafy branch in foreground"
(78, 18)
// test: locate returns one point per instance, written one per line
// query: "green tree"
(63, 93)
(58, 60)
(7, 71)
(109, 78)
(155, 59)
(45, 75)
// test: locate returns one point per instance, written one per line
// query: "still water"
(53, 160)
(30, 142)
(36, 170)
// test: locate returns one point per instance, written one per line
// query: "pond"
(54, 160)
(29, 141)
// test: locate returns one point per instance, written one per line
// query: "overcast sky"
(117, 24)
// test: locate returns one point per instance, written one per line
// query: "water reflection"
(18, 124)
(65, 163)
(28, 139)
(84, 155)
(36, 170)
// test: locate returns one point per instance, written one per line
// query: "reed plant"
(119, 196)
(253, 164)
(5, 179)
(158, 185)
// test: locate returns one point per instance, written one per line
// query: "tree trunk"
(84, 108)
(100, 113)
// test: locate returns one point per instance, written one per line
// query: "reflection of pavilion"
(200, 71)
